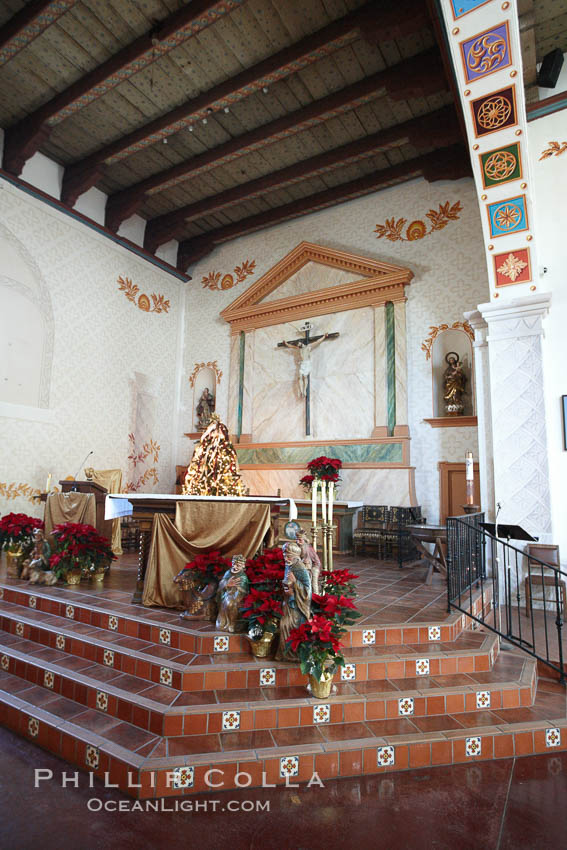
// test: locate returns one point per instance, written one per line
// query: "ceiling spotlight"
(226, 109)
(205, 121)
(210, 110)
(190, 128)
(265, 89)
(164, 141)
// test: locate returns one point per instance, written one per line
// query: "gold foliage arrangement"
(136, 456)
(212, 364)
(438, 219)
(435, 330)
(227, 281)
(25, 491)
(553, 149)
(157, 304)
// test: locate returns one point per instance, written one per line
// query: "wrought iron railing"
(480, 564)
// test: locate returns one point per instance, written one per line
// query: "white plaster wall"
(450, 278)
(100, 340)
(551, 214)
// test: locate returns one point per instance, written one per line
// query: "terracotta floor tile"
(96, 721)
(296, 736)
(195, 698)
(129, 736)
(385, 728)
(161, 693)
(470, 719)
(438, 723)
(193, 744)
(240, 695)
(131, 684)
(65, 708)
(39, 696)
(345, 731)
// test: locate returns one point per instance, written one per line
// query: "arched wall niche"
(450, 342)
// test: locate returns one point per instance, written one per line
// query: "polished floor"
(511, 804)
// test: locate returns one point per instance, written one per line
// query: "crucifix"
(305, 346)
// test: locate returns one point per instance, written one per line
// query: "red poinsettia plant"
(211, 565)
(339, 582)
(317, 641)
(16, 531)
(262, 607)
(321, 469)
(78, 546)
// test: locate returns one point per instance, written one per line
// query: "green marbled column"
(391, 366)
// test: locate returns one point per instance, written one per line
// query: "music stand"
(510, 532)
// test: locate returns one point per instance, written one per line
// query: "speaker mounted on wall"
(550, 69)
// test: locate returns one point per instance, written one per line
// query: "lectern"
(103, 526)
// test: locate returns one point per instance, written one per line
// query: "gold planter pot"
(321, 688)
(14, 562)
(73, 577)
(261, 647)
(98, 576)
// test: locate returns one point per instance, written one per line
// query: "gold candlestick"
(329, 532)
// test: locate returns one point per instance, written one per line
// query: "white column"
(521, 474)
(483, 412)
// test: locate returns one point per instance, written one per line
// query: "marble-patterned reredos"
(390, 486)
(360, 453)
(311, 277)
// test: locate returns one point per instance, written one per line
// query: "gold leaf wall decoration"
(435, 330)
(25, 491)
(227, 281)
(149, 304)
(212, 364)
(393, 229)
(139, 456)
(553, 149)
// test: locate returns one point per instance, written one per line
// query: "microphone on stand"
(74, 488)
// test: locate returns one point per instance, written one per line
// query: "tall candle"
(48, 483)
(314, 503)
(331, 494)
(323, 506)
(469, 478)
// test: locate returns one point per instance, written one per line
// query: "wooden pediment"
(374, 283)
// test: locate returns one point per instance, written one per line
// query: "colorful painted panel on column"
(494, 111)
(501, 165)
(509, 216)
(486, 52)
(463, 7)
(512, 267)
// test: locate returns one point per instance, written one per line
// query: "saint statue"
(205, 409)
(305, 349)
(310, 558)
(454, 383)
(36, 567)
(233, 587)
(297, 598)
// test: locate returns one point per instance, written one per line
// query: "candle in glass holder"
(314, 502)
(323, 506)
(331, 495)
(469, 478)
(48, 483)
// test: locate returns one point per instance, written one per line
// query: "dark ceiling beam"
(24, 139)
(86, 172)
(419, 76)
(449, 163)
(28, 23)
(436, 129)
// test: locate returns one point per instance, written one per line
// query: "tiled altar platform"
(156, 703)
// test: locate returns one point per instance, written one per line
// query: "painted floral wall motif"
(157, 304)
(227, 281)
(417, 229)
(553, 149)
(140, 472)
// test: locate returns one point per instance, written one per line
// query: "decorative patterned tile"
(102, 700)
(70, 612)
(289, 766)
(483, 699)
(19, 629)
(512, 267)
(268, 676)
(473, 746)
(368, 637)
(32, 601)
(92, 756)
(230, 720)
(552, 737)
(165, 636)
(165, 675)
(48, 679)
(108, 657)
(486, 52)
(422, 667)
(113, 623)
(60, 641)
(495, 111)
(508, 216)
(348, 672)
(385, 756)
(500, 165)
(220, 644)
(5, 662)
(405, 705)
(321, 713)
(183, 777)
(434, 633)
(1, 593)
(33, 727)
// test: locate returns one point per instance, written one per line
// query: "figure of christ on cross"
(304, 347)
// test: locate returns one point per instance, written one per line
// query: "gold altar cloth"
(69, 507)
(111, 480)
(199, 527)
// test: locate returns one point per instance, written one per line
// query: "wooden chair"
(549, 554)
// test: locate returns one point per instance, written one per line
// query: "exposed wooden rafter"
(435, 129)
(28, 23)
(450, 163)
(419, 76)
(85, 173)
(25, 138)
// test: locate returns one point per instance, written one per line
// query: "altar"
(144, 507)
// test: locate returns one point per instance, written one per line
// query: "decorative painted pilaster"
(400, 345)
(390, 367)
(483, 411)
(247, 385)
(380, 398)
(521, 476)
(233, 384)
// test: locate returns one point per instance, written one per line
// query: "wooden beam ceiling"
(25, 138)
(28, 23)
(450, 163)
(436, 129)
(85, 173)
(419, 76)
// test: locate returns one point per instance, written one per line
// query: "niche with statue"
(450, 353)
(204, 380)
